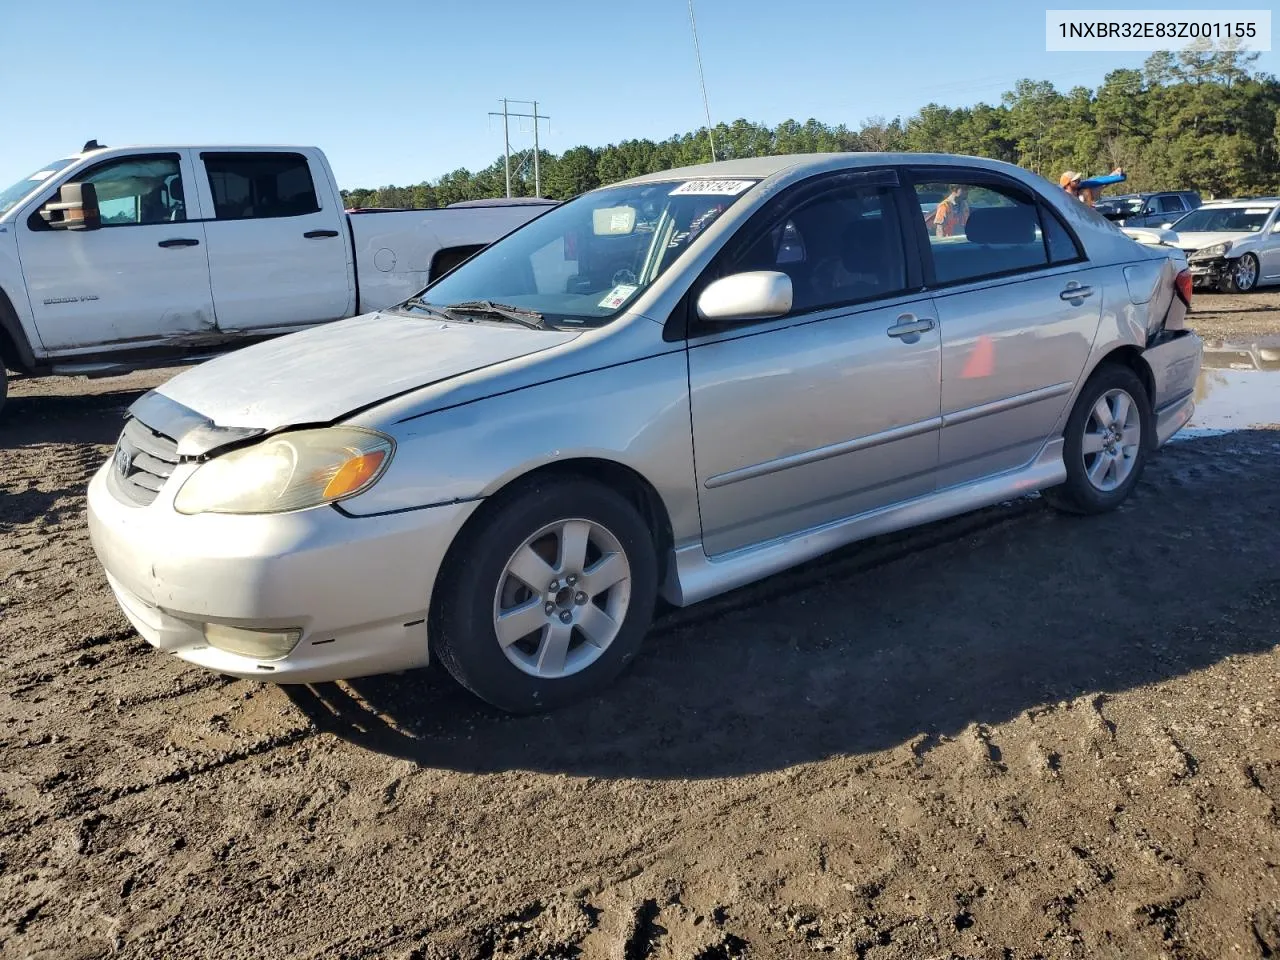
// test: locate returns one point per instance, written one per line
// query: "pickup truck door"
(140, 280)
(279, 247)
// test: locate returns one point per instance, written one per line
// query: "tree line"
(1200, 119)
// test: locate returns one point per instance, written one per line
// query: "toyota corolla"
(675, 385)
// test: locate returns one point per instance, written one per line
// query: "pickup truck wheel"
(4, 386)
(550, 597)
(1106, 442)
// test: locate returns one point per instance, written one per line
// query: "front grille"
(143, 461)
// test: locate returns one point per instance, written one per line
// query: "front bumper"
(357, 587)
(1209, 273)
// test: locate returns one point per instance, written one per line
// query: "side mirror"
(1166, 226)
(1276, 228)
(758, 295)
(75, 209)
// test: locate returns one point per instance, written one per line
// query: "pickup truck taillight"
(1182, 282)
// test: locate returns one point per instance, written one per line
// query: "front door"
(279, 251)
(141, 279)
(832, 410)
(1019, 308)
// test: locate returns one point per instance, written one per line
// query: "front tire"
(549, 597)
(1106, 442)
(1243, 277)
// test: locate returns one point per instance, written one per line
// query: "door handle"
(909, 325)
(1076, 292)
(179, 242)
(313, 234)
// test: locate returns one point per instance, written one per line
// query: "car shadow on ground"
(968, 621)
(65, 418)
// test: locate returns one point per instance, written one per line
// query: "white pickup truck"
(115, 259)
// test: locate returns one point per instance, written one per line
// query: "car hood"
(322, 374)
(1199, 240)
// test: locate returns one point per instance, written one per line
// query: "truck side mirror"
(75, 209)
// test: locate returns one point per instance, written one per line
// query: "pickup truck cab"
(114, 259)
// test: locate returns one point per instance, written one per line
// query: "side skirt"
(692, 576)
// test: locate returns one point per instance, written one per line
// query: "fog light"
(258, 644)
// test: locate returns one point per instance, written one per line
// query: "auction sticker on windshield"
(713, 188)
(618, 296)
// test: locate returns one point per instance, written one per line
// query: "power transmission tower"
(506, 115)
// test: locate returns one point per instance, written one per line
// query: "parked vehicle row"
(675, 386)
(1148, 209)
(1230, 245)
(114, 259)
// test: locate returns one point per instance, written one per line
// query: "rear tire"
(1106, 442)
(529, 646)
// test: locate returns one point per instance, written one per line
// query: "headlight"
(1208, 253)
(291, 471)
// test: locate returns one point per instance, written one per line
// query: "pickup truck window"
(260, 185)
(139, 190)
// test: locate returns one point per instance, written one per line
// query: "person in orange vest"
(952, 213)
(1088, 190)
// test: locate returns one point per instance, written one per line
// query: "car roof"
(1246, 202)
(761, 168)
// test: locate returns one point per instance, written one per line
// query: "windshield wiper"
(417, 303)
(530, 318)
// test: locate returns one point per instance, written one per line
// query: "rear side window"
(1062, 248)
(980, 229)
(260, 185)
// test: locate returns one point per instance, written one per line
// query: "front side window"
(980, 230)
(1170, 204)
(139, 190)
(584, 261)
(252, 186)
(839, 247)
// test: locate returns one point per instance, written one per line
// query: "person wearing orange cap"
(1088, 191)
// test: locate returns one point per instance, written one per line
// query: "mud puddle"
(1239, 388)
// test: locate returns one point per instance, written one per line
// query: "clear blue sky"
(397, 92)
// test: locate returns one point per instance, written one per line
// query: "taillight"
(1183, 284)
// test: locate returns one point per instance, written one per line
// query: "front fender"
(15, 309)
(635, 414)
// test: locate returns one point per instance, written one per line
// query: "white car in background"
(1231, 245)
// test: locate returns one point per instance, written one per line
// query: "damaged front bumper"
(1210, 271)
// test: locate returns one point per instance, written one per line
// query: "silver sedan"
(672, 386)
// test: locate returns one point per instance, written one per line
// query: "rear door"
(140, 280)
(279, 252)
(1019, 308)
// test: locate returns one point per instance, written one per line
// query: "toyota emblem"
(123, 461)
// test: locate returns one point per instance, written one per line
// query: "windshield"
(584, 261)
(1224, 220)
(10, 197)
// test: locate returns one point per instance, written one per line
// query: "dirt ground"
(1010, 735)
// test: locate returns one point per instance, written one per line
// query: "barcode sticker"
(713, 188)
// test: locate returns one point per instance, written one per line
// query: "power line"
(506, 116)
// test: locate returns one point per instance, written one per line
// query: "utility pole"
(706, 105)
(506, 136)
